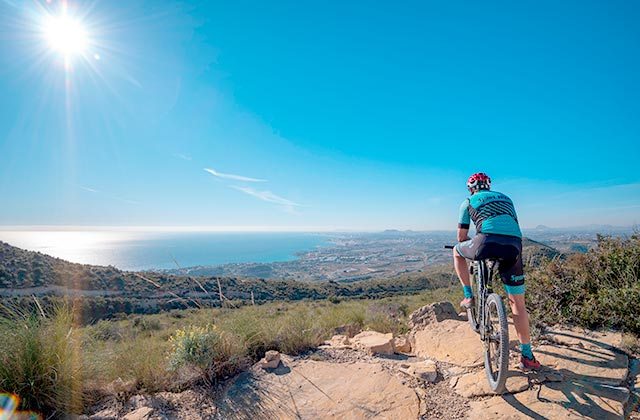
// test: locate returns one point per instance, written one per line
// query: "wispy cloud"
(268, 196)
(183, 156)
(92, 190)
(233, 177)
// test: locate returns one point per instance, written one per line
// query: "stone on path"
(426, 371)
(338, 341)
(307, 389)
(374, 342)
(271, 360)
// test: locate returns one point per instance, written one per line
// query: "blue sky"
(320, 115)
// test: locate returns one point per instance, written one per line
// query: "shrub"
(39, 360)
(213, 353)
(598, 289)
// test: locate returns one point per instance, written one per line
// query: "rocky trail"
(436, 371)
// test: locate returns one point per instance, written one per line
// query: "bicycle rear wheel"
(496, 355)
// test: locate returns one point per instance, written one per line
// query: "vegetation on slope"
(600, 288)
(56, 367)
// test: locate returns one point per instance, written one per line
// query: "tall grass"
(56, 368)
(40, 360)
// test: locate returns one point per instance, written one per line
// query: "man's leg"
(520, 318)
(462, 270)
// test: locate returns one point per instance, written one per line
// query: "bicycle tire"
(497, 375)
(473, 319)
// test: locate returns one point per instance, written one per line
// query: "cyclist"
(497, 236)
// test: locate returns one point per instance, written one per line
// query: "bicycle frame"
(483, 276)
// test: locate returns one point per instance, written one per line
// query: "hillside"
(108, 290)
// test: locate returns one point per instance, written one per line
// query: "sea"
(130, 250)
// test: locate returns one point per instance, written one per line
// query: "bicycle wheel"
(496, 355)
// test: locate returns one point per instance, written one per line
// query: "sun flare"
(66, 35)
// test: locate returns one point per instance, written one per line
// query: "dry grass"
(54, 367)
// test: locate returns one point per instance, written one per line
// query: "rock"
(312, 389)
(271, 360)
(426, 371)
(141, 413)
(435, 312)
(555, 400)
(476, 385)
(585, 363)
(449, 341)
(374, 342)
(401, 344)
(338, 341)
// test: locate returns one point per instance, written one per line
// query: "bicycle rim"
(496, 360)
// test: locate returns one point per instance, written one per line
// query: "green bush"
(212, 352)
(599, 289)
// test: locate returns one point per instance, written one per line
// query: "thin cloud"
(267, 196)
(183, 156)
(233, 177)
(92, 190)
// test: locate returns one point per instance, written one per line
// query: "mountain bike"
(489, 319)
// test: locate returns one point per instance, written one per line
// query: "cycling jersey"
(491, 212)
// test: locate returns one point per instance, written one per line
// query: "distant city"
(361, 256)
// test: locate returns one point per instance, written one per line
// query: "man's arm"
(463, 222)
(463, 234)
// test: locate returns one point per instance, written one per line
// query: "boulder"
(271, 360)
(374, 342)
(311, 389)
(401, 344)
(426, 371)
(435, 312)
(449, 341)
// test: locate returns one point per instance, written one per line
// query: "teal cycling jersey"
(492, 213)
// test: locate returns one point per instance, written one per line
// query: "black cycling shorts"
(506, 249)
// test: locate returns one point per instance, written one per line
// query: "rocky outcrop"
(308, 389)
(585, 374)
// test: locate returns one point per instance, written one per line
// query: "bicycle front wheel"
(496, 355)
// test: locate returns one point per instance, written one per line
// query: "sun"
(66, 35)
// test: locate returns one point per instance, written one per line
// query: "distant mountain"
(534, 252)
